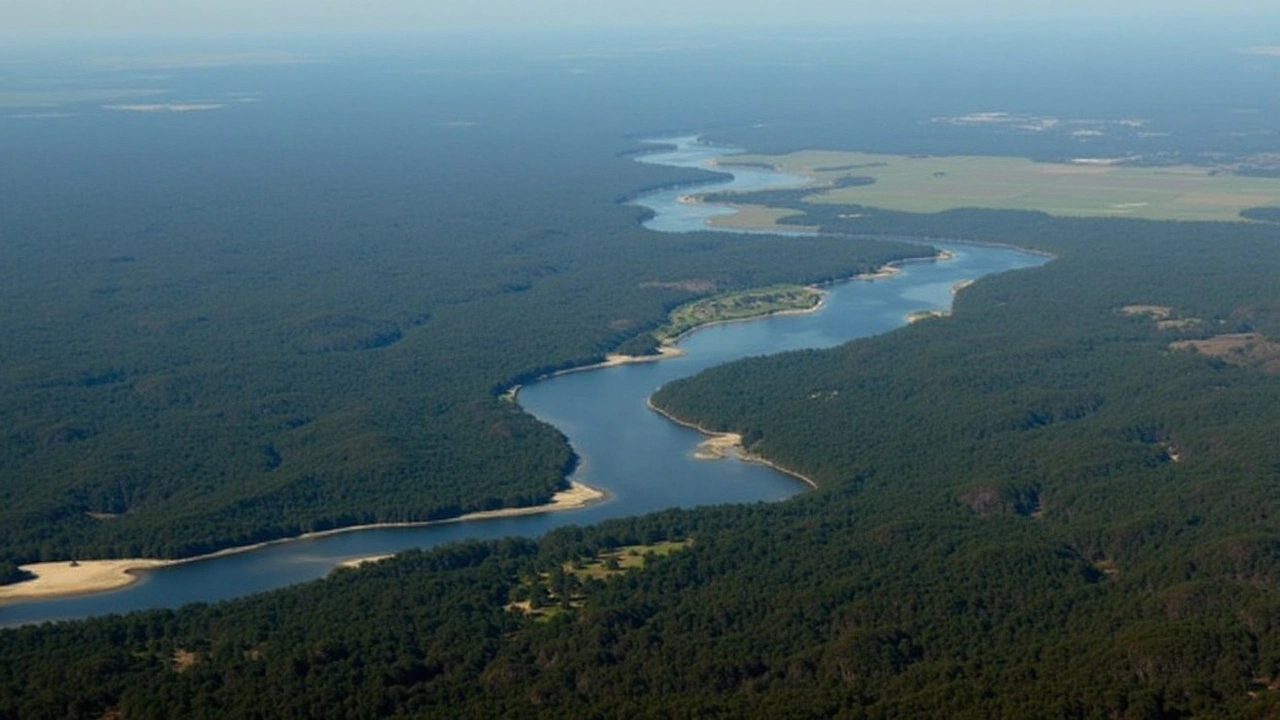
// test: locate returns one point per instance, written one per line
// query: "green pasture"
(1081, 188)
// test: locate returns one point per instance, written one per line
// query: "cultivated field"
(1083, 187)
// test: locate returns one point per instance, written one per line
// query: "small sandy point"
(917, 316)
(357, 562)
(665, 351)
(718, 447)
(894, 268)
(64, 579)
(1156, 311)
(887, 271)
(616, 359)
(731, 443)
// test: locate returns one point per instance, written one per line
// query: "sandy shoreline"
(62, 579)
(616, 359)
(65, 579)
(357, 562)
(665, 351)
(719, 445)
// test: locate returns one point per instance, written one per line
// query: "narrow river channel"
(644, 461)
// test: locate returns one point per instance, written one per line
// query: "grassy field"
(545, 596)
(622, 559)
(755, 217)
(932, 184)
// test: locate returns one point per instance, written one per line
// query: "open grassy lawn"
(623, 558)
(932, 184)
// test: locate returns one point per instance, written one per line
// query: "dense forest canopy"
(1010, 500)
(212, 344)
(1058, 502)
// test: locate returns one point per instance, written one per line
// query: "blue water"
(644, 461)
(672, 215)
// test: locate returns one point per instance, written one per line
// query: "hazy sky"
(222, 15)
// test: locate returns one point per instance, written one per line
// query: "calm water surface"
(644, 461)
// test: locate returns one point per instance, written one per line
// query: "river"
(644, 461)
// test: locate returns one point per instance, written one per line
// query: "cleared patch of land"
(549, 593)
(1162, 315)
(1085, 187)
(1245, 349)
(624, 558)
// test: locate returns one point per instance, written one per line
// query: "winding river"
(644, 461)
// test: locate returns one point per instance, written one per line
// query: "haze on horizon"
(184, 16)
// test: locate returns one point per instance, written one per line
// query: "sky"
(45, 16)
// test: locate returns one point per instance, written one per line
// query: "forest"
(1032, 508)
(300, 310)
(214, 371)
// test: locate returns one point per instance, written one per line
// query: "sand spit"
(721, 445)
(61, 579)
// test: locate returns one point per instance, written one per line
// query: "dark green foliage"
(195, 365)
(1002, 530)
(11, 573)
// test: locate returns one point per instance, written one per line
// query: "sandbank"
(59, 579)
(725, 444)
(357, 562)
(917, 316)
(718, 447)
(665, 351)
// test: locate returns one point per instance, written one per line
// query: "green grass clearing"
(551, 593)
(624, 558)
(934, 184)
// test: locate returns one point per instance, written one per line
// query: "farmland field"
(1085, 187)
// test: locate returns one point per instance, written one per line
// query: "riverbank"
(615, 359)
(85, 577)
(665, 351)
(719, 445)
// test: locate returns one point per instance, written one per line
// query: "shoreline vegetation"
(667, 343)
(918, 315)
(739, 305)
(85, 577)
(720, 445)
(59, 579)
